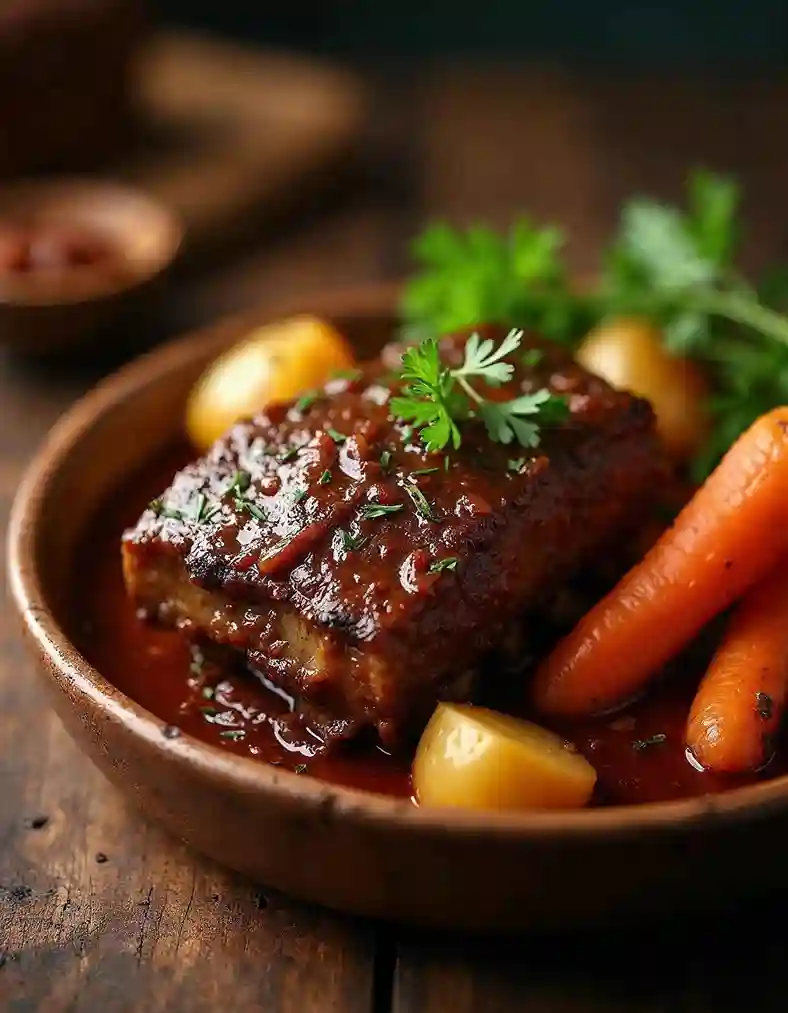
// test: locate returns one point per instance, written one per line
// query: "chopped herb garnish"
(371, 511)
(531, 357)
(350, 543)
(288, 455)
(516, 464)
(211, 512)
(198, 512)
(446, 463)
(245, 506)
(385, 459)
(424, 471)
(450, 563)
(436, 397)
(168, 513)
(300, 768)
(209, 712)
(239, 483)
(655, 740)
(208, 692)
(335, 436)
(764, 706)
(407, 434)
(325, 478)
(305, 402)
(233, 734)
(299, 494)
(421, 503)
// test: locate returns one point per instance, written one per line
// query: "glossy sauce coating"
(639, 753)
(365, 576)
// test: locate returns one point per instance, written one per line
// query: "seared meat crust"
(278, 541)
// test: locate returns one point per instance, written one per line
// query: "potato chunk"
(474, 758)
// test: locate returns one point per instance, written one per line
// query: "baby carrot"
(741, 699)
(723, 541)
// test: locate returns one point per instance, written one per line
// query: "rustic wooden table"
(101, 912)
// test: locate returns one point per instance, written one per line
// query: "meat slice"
(366, 577)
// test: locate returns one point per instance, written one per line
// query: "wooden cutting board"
(229, 134)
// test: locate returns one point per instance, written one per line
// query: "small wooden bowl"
(40, 314)
(343, 848)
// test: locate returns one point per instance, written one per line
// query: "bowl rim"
(245, 774)
(17, 294)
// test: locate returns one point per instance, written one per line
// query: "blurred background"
(335, 129)
(689, 33)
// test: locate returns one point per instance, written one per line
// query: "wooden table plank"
(697, 965)
(100, 912)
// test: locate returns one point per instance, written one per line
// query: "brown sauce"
(47, 253)
(638, 753)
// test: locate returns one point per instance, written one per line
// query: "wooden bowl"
(43, 313)
(348, 849)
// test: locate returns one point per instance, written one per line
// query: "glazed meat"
(366, 577)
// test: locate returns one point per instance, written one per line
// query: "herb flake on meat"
(421, 503)
(449, 563)
(371, 511)
(639, 745)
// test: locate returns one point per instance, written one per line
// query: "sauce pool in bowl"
(638, 754)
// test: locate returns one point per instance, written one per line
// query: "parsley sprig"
(437, 398)
(675, 266)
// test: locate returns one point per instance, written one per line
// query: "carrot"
(741, 698)
(723, 541)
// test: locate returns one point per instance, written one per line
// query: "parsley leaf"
(436, 397)
(473, 276)
(371, 511)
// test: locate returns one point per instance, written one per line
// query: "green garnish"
(211, 513)
(421, 503)
(474, 275)
(516, 464)
(531, 357)
(335, 436)
(200, 506)
(244, 505)
(450, 563)
(299, 494)
(233, 734)
(305, 402)
(371, 511)
(350, 543)
(655, 740)
(673, 266)
(300, 768)
(437, 398)
(239, 483)
(424, 471)
(208, 692)
(209, 712)
(325, 478)
(385, 459)
(446, 463)
(160, 510)
(288, 455)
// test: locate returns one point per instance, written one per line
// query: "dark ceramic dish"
(344, 848)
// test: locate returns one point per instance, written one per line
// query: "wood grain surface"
(102, 913)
